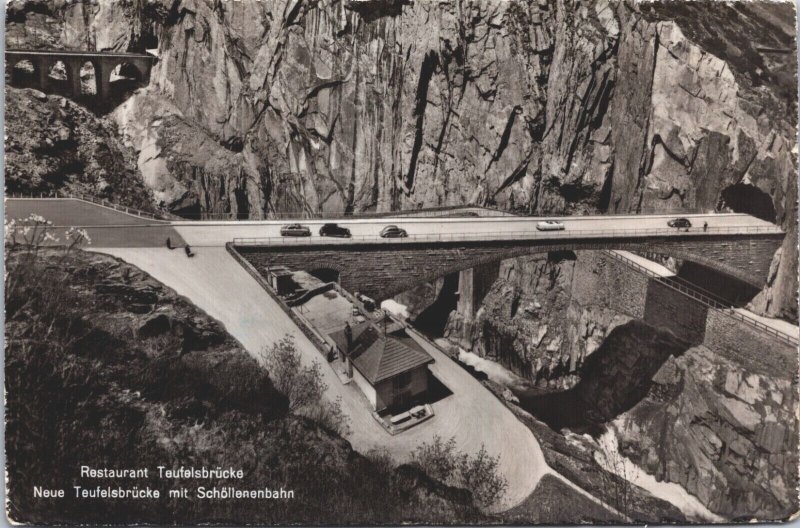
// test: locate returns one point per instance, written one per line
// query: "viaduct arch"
(104, 63)
(382, 271)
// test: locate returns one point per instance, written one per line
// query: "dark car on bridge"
(334, 230)
(392, 231)
(680, 223)
(295, 230)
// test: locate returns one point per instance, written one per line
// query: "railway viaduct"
(136, 65)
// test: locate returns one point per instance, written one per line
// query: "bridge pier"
(74, 77)
(473, 285)
(102, 80)
(42, 67)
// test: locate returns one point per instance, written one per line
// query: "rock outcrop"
(55, 145)
(732, 435)
(543, 316)
(723, 429)
(541, 106)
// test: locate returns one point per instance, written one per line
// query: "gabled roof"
(379, 358)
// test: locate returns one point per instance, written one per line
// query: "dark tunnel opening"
(749, 199)
(326, 274)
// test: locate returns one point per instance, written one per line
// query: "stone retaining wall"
(757, 351)
(668, 308)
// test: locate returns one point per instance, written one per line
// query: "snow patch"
(610, 459)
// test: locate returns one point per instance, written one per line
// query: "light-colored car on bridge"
(295, 230)
(549, 225)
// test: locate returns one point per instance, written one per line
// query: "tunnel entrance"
(326, 275)
(749, 199)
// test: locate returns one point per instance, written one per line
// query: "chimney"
(348, 334)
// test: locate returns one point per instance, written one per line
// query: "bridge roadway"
(113, 228)
(736, 244)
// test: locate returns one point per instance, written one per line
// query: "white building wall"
(366, 388)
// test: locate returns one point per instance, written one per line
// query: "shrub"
(477, 473)
(302, 385)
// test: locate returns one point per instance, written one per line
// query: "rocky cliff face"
(55, 145)
(724, 432)
(540, 106)
(543, 316)
(737, 428)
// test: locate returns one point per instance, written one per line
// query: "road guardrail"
(710, 301)
(98, 201)
(506, 235)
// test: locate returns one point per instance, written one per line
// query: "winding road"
(217, 284)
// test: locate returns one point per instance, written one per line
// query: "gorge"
(540, 107)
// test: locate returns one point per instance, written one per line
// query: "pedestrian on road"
(705, 226)
(169, 243)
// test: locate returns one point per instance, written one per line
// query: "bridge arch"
(22, 73)
(381, 271)
(57, 71)
(58, 77)
(125, 72)
(327, 273)
(88, 78)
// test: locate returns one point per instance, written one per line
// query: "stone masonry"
(383, 270)
(103, 64)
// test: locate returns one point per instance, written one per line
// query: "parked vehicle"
(549, 225)
(680, 223)
(295, 230)
(392, 231)
(334, 230)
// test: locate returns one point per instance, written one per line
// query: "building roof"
(379, 358)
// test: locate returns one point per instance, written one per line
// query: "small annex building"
(390, 368)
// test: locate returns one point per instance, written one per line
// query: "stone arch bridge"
(381, 269)
(103, 63)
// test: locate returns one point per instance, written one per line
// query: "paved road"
(106, 227)
(216, 283)
(72, 212)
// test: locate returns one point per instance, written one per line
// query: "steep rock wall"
(542, 106)
(55, 145)
(544, 315)
(732, 435)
